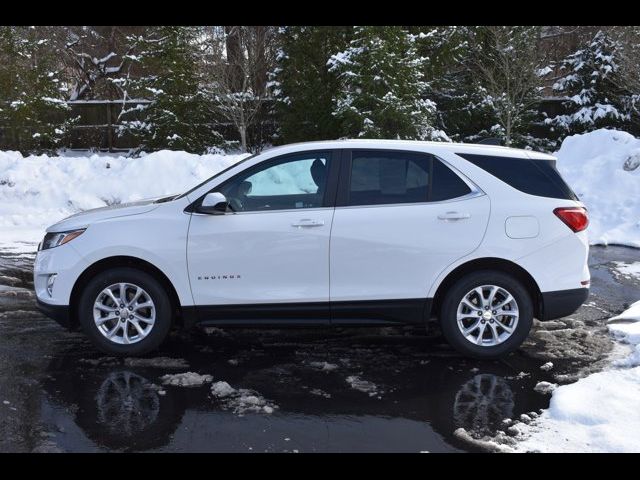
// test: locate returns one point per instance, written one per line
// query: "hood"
(87, 217)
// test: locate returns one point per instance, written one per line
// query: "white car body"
(326, 259)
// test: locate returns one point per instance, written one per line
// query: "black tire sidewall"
(448, 313)
(158, 294)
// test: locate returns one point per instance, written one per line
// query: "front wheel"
(125, 311)
(486, 314)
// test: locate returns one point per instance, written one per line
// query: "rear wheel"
(125, 311)
(486, 314)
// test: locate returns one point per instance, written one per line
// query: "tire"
(495, 341)
(153, 322)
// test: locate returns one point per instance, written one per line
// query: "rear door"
(400, 219)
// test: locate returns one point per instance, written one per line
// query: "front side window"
(292, 182)
(387, 177)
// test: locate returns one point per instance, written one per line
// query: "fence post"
(109, 128)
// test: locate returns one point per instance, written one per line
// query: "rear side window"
(535, 177)
(446, 184)
(386, 177)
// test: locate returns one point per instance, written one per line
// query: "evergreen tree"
(33, 112)
(383, 86)
(452, 84)
(177, 117)
(591, 82)
(302, 85)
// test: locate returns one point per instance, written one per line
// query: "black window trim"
(344, 184)
(328, 200)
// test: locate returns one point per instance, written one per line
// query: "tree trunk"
(243, 139)
(260, 78)
(234, 57)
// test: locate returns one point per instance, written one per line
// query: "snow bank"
(598, 413)
(37, 191)
(603, 168)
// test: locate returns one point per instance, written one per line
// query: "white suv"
(350, 232)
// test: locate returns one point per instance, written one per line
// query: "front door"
(273, 248)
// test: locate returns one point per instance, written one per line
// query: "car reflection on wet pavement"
(302, 390)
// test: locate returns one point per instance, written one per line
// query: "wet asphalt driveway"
(306, 390)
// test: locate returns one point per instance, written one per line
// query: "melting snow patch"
(100, 362)
(216, 331)
(241, 400)
(327, 367)
(626, 329)
(545, 387)
(187, 379)
(364, 386)
(157, 362)
(547, 366)
(628, 270)
(320, 393)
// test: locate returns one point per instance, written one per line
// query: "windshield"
(214, 176)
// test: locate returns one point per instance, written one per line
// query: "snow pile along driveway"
(603, 168)
(598, 413)
(37, 191)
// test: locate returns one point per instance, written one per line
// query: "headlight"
(55, 239)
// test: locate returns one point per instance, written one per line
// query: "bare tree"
(629, 63)
(97, 57)
(507, 63)
(237, 59)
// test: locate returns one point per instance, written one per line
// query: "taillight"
(575, 218)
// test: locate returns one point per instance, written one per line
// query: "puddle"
(315, 390)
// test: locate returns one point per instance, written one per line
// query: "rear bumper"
(59, 313)
(562, 302)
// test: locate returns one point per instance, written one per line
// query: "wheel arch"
(490, 263)
(123, 261)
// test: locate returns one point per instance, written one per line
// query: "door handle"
(453, 216)
(307, 222)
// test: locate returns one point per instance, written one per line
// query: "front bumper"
(562, 302)
(59, 313)
(67, 264)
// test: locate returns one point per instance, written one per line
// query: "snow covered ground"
(598, 413)
(603, 168)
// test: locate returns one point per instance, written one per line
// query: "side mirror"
(213, 203)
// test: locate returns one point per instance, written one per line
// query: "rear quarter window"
(535, 177)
